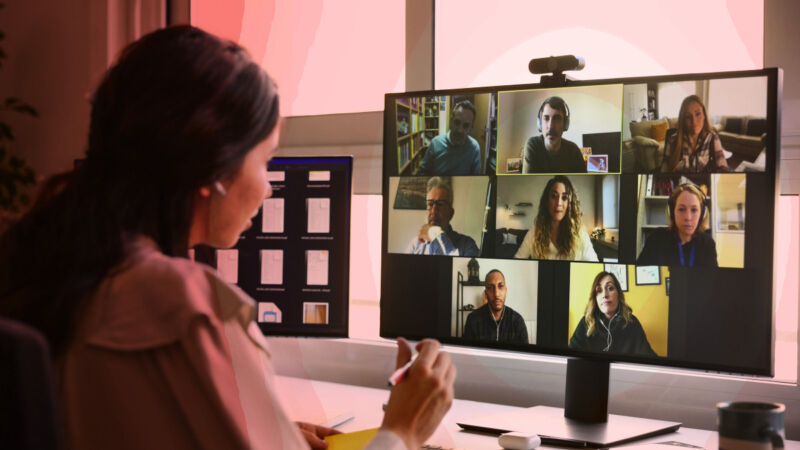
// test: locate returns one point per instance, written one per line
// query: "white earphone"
(219, 188)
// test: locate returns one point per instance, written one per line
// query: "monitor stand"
(583, 422)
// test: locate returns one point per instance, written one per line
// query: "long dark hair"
(179, 110)
(569, 228)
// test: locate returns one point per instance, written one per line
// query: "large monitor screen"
(602, 219)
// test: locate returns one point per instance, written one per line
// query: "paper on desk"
(350, 441)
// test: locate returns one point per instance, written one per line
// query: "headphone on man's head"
(673, 198)
(548, 101)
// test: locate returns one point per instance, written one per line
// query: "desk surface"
(318, 401)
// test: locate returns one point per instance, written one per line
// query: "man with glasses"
(456, 152)
(436, 236)
(548, 152)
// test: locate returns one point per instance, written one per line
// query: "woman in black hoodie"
(608, 325)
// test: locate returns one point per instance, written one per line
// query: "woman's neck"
(684, 237)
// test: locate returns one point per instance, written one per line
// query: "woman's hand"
(314, 434)
(419, 402)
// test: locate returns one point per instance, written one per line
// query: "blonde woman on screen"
(557, 232)
(696, 146)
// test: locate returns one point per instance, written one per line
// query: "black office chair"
(28, 408)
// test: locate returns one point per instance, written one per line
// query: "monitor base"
(555, 429)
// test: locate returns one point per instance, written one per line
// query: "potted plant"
(15, 173)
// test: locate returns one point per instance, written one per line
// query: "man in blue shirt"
(436, 236)
(454, 153)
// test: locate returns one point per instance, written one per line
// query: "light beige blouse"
(166, 355)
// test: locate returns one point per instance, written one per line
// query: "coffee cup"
(750, 425)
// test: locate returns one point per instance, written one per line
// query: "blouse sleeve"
(717, 151)
(525, 249)
(587, 253)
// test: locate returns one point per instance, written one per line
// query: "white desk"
(317, 401)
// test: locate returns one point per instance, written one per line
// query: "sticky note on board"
(272, 216)
(228, 265)
(276, 175)
(271, 266)
(269, 312)
(319, 175)
(319, 215)
(351, 441)
(317, 267)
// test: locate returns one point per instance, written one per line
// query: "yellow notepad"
(350, 441)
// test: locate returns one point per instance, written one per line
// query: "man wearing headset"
(548, 152)
(456, 152)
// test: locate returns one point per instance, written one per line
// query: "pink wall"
(480, 47)
(326, 56)
(50, 65)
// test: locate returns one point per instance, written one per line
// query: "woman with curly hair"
(695, 147)
(557, 231)
(608, 324)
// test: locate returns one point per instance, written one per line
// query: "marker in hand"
(399, 374)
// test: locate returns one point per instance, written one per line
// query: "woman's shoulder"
(150, 300)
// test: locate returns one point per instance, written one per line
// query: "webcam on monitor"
(556, 64)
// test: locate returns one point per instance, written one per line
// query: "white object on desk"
(517, 440)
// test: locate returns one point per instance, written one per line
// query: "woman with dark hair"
(557, 232)
(608, 323)
(153, 350)
(684, 242)
(696, 146)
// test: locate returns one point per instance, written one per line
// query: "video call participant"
(608, 323)
(153, 350)
(549, 152)
(494, 321)
(456, 152)
(696, 146)
(436, 236)
(557, 232)
(685, 242)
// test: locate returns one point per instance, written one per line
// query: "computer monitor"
(294, 259)
(505, 228)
